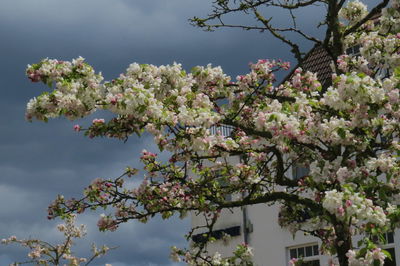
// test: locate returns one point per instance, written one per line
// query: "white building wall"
(267, 238)
(228, 219)
(269, 241)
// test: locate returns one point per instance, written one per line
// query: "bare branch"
(295, 6)
(294, 29)
(295, 48)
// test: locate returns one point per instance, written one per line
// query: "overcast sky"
(39, 160)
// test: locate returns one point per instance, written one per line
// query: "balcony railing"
(224, 130)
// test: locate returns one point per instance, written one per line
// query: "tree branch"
(275, 196)
(295, 48)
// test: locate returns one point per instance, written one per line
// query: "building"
(257, 225)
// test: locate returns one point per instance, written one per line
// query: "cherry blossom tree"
(347, 134)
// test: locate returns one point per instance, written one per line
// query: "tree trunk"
(343, 243)
(341, 253)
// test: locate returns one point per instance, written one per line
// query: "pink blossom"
(34, 76)
(293, 261)
(98, 121)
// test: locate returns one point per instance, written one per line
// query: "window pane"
(310, 263)
(309, 251)
(316, 251)
(228, 197)
(393, 261)
(300, 171)
(293, 253)
(356, 49)
(390, 238)
(300, 252)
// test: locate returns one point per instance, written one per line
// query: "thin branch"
(266, 22)
(220, 11)
(308, 37)
(298, 5)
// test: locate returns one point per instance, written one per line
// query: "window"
(382, 139)
(354, 50)
(310, 263)
(391, 262)
(379, 71)
(223, 182)
(224, 130)
(387, 243)
(389, 238)
(309, 254)
(300, 171)
(382, 72)
(217, 234)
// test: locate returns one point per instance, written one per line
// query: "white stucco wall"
(269, 241)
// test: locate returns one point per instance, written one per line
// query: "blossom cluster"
(44, 253)
(371, 257)
(354, 11)
(354, 207)
(241, 256)
(78, 89)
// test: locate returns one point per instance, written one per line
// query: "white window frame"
(305, 258)
(390, 245)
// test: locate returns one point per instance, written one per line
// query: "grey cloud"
(137, 243)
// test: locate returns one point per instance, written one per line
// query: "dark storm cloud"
(146, 31)
(39, 161)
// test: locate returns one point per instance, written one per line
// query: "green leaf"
(387, 254)
(361, 75)
(272, 117)
(341, 132)
(349, 80)
(362, 252)
(296, 107)
(166, 215)
(397, 72)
